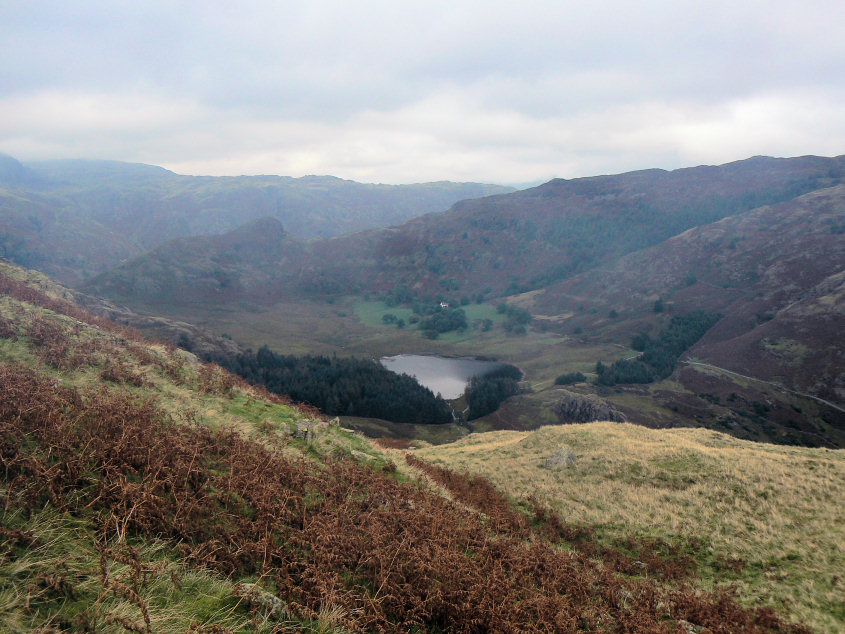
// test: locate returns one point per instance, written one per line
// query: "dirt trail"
(776, 385)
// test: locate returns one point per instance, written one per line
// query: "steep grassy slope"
(766, 518)
(76, 218)
(144, 491)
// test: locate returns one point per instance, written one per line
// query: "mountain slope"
(145, 491)
(12, 172)
(46, 232)
(728, 493)
(510, 243)
(242, 263)
(52, 211)
(775, 273)
(529, 239)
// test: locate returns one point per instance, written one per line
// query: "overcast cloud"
(415, 91)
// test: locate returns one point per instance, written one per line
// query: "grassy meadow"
(769, 518)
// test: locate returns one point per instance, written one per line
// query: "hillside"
(75, 218)
(241, 264)
(505, 244)
(772, 508)
(774, 362)
(146, 491)
(748, 266)
(775, 273)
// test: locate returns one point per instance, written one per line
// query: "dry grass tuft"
(770, 517)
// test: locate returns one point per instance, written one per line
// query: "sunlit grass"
(58, 580)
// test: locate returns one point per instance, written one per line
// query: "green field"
(370, 313)
(350, 326)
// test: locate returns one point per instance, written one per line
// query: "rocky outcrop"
(563, 457)
(584, 408)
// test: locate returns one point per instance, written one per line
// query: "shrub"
(7, 330)
(659, 356)
(570, 378)
(121, 373)
(445, 321)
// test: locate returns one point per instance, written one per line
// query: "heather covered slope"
(774, 273)
(529, 239)
(145, 491)
(748, 266)
(505, 244)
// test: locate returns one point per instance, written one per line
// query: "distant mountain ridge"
(12, 172)
(75, 218)
(531, 238)
(511, 243)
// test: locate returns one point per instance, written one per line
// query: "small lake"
(448, 377)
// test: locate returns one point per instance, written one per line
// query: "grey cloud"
(481, 89)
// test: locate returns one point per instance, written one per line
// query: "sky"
(408, 91)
